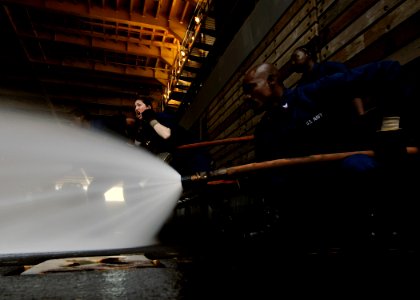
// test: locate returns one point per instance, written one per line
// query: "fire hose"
(277, 163)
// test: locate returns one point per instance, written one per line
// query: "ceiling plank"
(167, 55)
(105, 13)
(161, 76)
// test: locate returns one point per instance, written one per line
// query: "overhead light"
(197, 19)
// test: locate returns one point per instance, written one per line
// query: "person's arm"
(150, 117)
(332, 67)
(162, 130)
(379, 78)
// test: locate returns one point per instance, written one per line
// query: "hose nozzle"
(196, 177)
(203, 176)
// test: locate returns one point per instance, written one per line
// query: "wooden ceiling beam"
(172, 9)
(167, 55)
(113, 101)
(184, 14)
(145, 30)
(113, 37)
(89, 85)
(80, 9)
(161, 76)
(157, 8)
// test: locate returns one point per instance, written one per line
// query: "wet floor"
(215, 265)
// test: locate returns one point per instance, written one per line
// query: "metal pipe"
(205, 176)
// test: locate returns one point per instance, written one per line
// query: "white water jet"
(66, 189)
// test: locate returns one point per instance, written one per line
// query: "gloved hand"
(390, 144)
(148, 115)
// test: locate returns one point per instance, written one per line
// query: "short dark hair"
(273, 74)
(308, 50)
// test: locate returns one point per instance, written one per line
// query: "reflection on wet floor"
(227, 257)
(213, 267)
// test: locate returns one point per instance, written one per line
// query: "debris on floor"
(93, 263)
